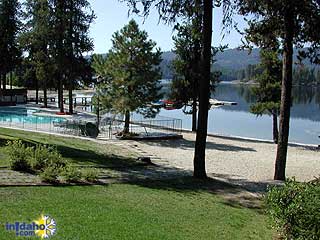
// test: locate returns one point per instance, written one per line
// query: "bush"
(46, 161)
(90, 175)
(71, 174)
(55, 159)
(50, 174)
(44, 157)
(19, 155)
(294, 209)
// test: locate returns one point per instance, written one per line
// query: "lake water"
(238, 121)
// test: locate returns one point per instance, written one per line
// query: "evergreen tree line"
(305, 76)
(43, 44)
(301, 75)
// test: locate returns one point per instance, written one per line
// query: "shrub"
(40, 158)
(50, 174)
(19, 155)
(71, 174)
(44, 157)
(90, 174)
(294, 209)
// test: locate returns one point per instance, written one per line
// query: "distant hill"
(229, 62)
(234, 59)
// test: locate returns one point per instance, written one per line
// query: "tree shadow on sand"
(185, 144)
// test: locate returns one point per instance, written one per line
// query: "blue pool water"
(24, 115)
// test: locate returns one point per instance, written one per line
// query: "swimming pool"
(18, 115)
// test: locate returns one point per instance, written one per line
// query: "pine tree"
(268, 91)
(37, 41)
(185, 83)
(169, 12)
(204, 89)
(131, 74)
(78, 18)
(292, 23)
(9, 28)
(71, 21)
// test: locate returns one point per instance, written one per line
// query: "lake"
(238, 121)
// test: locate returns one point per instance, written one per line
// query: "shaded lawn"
(77, 151)
(162, 209)
(131, 211)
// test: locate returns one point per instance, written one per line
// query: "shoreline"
(254, 140)
(252, 82)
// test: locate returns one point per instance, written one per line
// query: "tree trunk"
(45, 97)
(37, 90)
(71, 57)
(204, 86)
(1, 93)
(60, 95)
(196, 72)
(11, 78)
(58, 90)
(70, 99)
(60, 11)
(275, 127)
(194, 114)
(4, 81)
(11, 97)
(127, 123)
(280, 165)
(98, 111)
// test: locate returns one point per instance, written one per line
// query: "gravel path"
(236, 159)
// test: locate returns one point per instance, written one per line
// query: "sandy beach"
(236, 159)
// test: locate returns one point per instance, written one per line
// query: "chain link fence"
(109, 127)
(160, 126)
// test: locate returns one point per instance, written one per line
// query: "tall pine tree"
(131, 74)
(37, 41)
(78, 18)
(293, 23)
(186, 67)
(268, 91)
(9, 28)
(170, 11)
(71, 21)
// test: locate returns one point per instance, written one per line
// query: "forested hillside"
(241, 65)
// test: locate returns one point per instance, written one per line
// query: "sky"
(112, 15)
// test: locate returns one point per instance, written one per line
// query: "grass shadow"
(76, 155)
(232, 196)
(137, 173)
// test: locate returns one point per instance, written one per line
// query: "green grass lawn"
(77, 151)
(181, 208)
(128, 211)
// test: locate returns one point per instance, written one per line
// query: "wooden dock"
(215, 102)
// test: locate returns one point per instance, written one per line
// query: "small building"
(11, 97)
